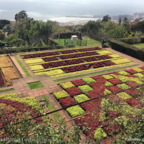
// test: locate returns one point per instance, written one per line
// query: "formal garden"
(57, 90)
(90, 88)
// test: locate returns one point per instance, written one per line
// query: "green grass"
(51, 108)
(22, 67)
(6, 90)
(34, 85)
(91, 42)
(78, 76)
(140, 45)
(85, 42)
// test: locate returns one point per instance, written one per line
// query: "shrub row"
(126, 48)
(15, 50)
(133, 40)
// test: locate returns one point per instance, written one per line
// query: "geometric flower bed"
(7, 71)
(85, 98)
(13, 106)
(72, 61)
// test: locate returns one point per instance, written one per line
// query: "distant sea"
(72, 20)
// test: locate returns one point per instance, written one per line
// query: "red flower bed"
(103, 57)
(76, 68)
(112, 129)
(142, 67)
(68, 51)
(114, 89)
(19, 107)
(89, 59)
(131, 71)
(40, 55)
(78, 82)
(113, 98)
(47, 59)
(112, 113)
(92, 95)
(142, 72)
(133, 102)
(107, 141)
(68, 101)
(108, 63)
(115, 81)
(93, 105)
(89, 49)
(131, 76)
(132, 84)
(98, 64)
(89, 122)
(78, 55)
(133, 92)
(97, 77)
(73, 91)
(1, 80)
(54, 64)
(115, 73)
(74, 61)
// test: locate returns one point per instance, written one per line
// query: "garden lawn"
(140, 45)
(34, 85)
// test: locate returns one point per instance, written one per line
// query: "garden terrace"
(73, 61)
(80, 83)
(84, 99)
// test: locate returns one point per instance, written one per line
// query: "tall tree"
(106, 18)
(3, 22)
(21, 15)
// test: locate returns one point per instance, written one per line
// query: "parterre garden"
(84, 99)
(73, 61)
(8, 71)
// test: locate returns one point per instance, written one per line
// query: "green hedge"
(16, 50)
(133, 40)
(127, 49)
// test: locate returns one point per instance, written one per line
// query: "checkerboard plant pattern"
(83, 99)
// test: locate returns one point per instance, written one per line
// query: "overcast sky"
(43, 9)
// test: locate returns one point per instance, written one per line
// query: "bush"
(61, 94)
(75, 111)
(134, 40)
(126, 48)
(85, 88)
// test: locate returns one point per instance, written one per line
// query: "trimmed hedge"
(133, 40)
(16, 50)
(126, 48)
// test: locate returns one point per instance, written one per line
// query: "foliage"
(106, 18)
(124, 95)
(138, 27)
(99, 134)
(89, 80)
(3, 22)
(75, 111)
(66, 85)
(123, 86)
(21, 15)
(61, 94)
(81, 98)
(2, 36)
(85, 88)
